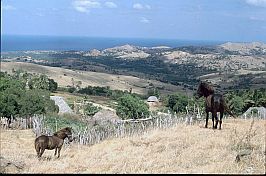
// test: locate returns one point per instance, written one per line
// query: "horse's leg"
(213, 114)
(59, 149)
(55, 151)
(38, 152)
(207, 118)
(42, 150)
(37, 148)
(216, 120)
(221, 117)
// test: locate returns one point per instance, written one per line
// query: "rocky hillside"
(254, 48)
(228, 56)
(123, 52)
(225, 57)
(242, 64)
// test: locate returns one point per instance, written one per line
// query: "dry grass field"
(179, 149)
(64, 78)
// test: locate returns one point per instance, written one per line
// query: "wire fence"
(118, 129)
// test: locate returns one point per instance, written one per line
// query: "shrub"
(56, 122)
(91, 110)
(131, 107)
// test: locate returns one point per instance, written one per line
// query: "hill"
(237, 65)
(65, 77)
(179, 149)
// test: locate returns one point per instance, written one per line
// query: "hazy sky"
(225, 20)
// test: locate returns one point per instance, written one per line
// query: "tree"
(177, 102)
(71, 89)
(241, 100)
(131, 107)
(52, 85)
(237, 104)
(90, 110)
(32, 102)
(10, 92)
(43, 82)
(15, 99)
(262, 102)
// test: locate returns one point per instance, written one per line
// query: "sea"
(79, 43)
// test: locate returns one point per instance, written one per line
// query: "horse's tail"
(226, 108)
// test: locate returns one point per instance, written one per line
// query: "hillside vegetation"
(230, 65)
(67, 77)
(180, 149)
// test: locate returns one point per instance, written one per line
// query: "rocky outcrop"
(63, 106)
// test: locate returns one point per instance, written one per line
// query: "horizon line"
(143, 38)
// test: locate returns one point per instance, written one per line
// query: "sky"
(212, 20)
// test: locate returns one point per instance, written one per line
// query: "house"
(259, 112)
(153, 99)
(153, 102)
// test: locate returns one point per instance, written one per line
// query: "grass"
(68, 97)
(116, 82)
(56, 122)
(97, 100)
(180, 149)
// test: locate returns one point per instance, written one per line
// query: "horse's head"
(69, 134)
(65, 132)
(199, 92)
(204, 89)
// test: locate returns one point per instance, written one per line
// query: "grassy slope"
(119, 82)
(70, 98)
(180, 149)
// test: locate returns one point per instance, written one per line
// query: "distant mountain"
(244, 62)
(125, 52)
(245, 48)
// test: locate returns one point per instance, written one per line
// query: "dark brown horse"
(213, 103)
(53, 142)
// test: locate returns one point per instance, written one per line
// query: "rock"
(63, 106)
(242, 154)
(105, 117)
(7, 166)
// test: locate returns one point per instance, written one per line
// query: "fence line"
(120, 129)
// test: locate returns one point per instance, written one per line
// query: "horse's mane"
(61, 133)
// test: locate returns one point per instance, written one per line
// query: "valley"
(230, 65)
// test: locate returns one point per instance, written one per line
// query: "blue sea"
(63, 43)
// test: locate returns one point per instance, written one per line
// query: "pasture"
(178, 149)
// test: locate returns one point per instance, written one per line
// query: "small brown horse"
(213, 103)
(53, 142)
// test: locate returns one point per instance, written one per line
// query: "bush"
(177, 102)
(131, 107)
(90, 110)
(17, 100)
(57, 122)
(71, 89)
